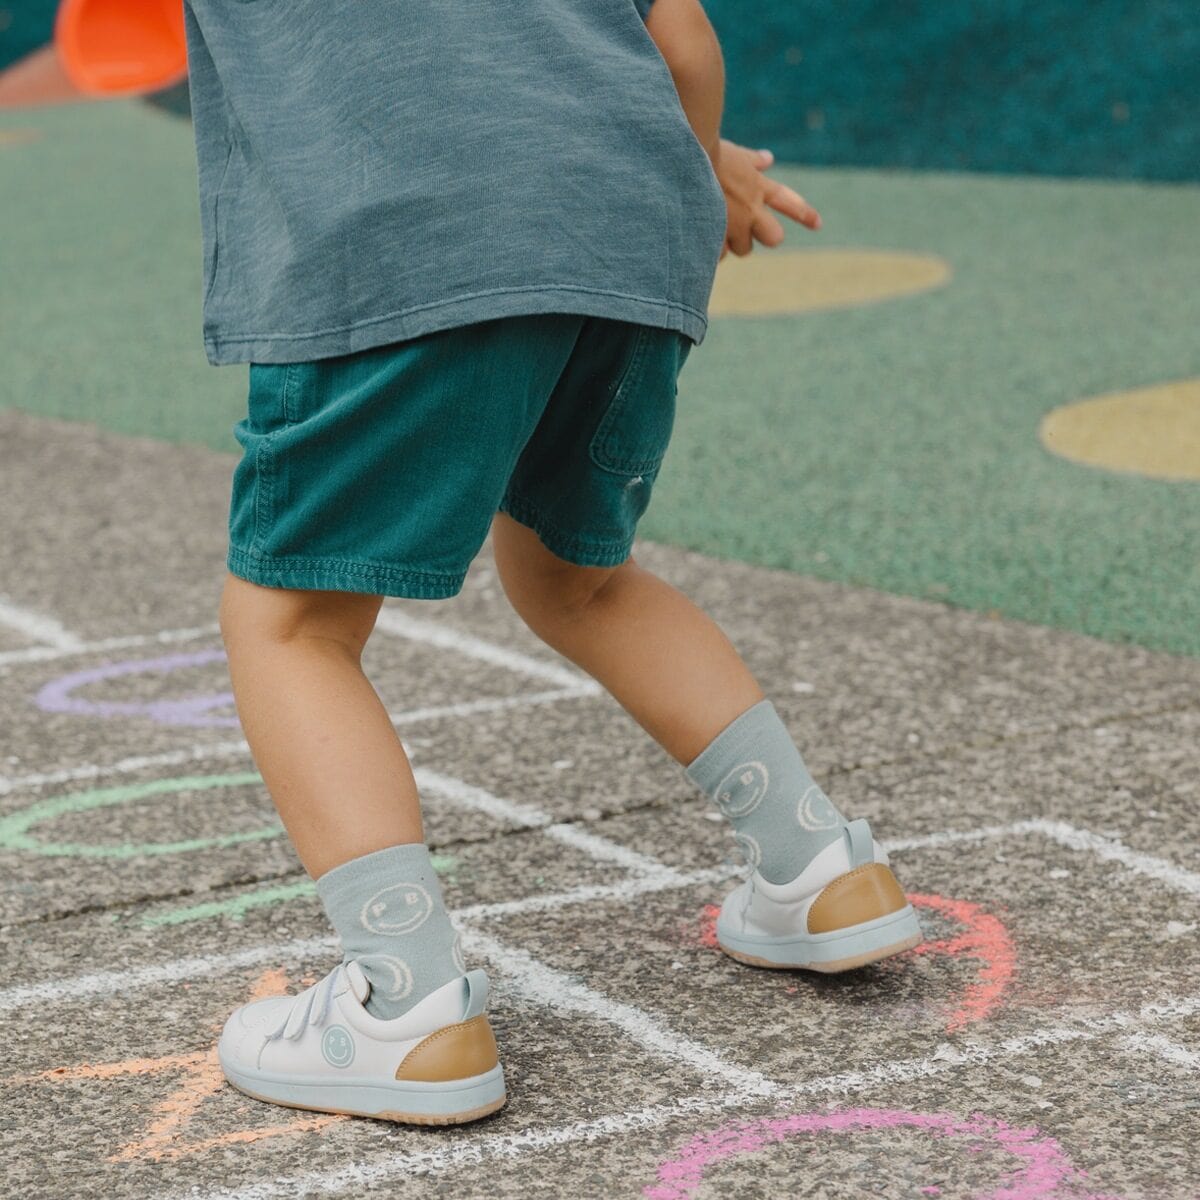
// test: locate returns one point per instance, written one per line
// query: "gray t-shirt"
(373, 170)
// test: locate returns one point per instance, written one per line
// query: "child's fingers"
(767, 230)
(739, 239)
(792, 204)
(763, 159)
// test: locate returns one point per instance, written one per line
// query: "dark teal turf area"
(1102, 88)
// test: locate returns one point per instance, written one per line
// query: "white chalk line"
(525, 815)
(646, 869)
(520, 971)
(561, 993)
(102, 983)
(46, 653)
(477, 799)
(238, 747)
(499, 1146)
(1105, 848)
(570, 685)
(61, 643)
(431, 633)
(507, 1147)
(39, 627)
(112, 983)
(124, 766)
(593, 893)
(468, 708)
(601, 849)
(650, 875)
(529, 816)
(540, 982)
(1161, 1047)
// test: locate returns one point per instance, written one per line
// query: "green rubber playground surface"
(893, 444)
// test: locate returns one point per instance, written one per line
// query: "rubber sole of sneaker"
(453, 1103)
(828, 953)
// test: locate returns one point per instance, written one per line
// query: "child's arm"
(686, 40)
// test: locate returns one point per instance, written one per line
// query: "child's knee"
(542, 587)
(251, 613)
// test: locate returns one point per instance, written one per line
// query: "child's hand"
(749, 195)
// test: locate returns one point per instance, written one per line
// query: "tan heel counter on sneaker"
(864, 894)
(456, 1052)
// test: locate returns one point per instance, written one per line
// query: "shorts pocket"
(633, 434)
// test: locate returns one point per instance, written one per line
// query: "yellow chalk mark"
(798, 281)
(1153, 431)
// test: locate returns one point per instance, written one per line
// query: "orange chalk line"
(201, 1078)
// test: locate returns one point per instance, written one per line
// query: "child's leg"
(676, 673)
(666, 662)
(320, 735)
(331, 760)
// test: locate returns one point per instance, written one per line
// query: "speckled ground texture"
(1039, 791)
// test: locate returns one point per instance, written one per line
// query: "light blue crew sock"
(754, 773)
(387, 908)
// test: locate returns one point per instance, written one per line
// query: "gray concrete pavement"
(1039, 790)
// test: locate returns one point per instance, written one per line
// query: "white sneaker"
(843, 910)
(435, 1065)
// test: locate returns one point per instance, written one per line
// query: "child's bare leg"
(330, 757)
(665, 661)
(820, 894)
(670, 666)
(320, 735)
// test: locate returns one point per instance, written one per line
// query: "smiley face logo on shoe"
(400, 908)
(742, 790)
(815, 811)
(337, 1046)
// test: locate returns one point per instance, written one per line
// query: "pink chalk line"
(984, 937)
(1045, 1172)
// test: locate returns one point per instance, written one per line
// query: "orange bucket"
(121, 47)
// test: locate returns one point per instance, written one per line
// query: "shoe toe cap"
(245, 1033)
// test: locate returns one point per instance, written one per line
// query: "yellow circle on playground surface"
(1152, 431)
(797, 281)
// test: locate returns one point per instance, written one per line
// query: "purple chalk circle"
(59, 694)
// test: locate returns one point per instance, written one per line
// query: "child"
(466, 250)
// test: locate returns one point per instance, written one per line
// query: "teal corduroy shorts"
(380, 471)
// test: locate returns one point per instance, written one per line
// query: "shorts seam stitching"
(287, 393)
(349, 565)
(432, 583)
(264, 492)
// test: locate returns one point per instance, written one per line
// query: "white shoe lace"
(301, 1014)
